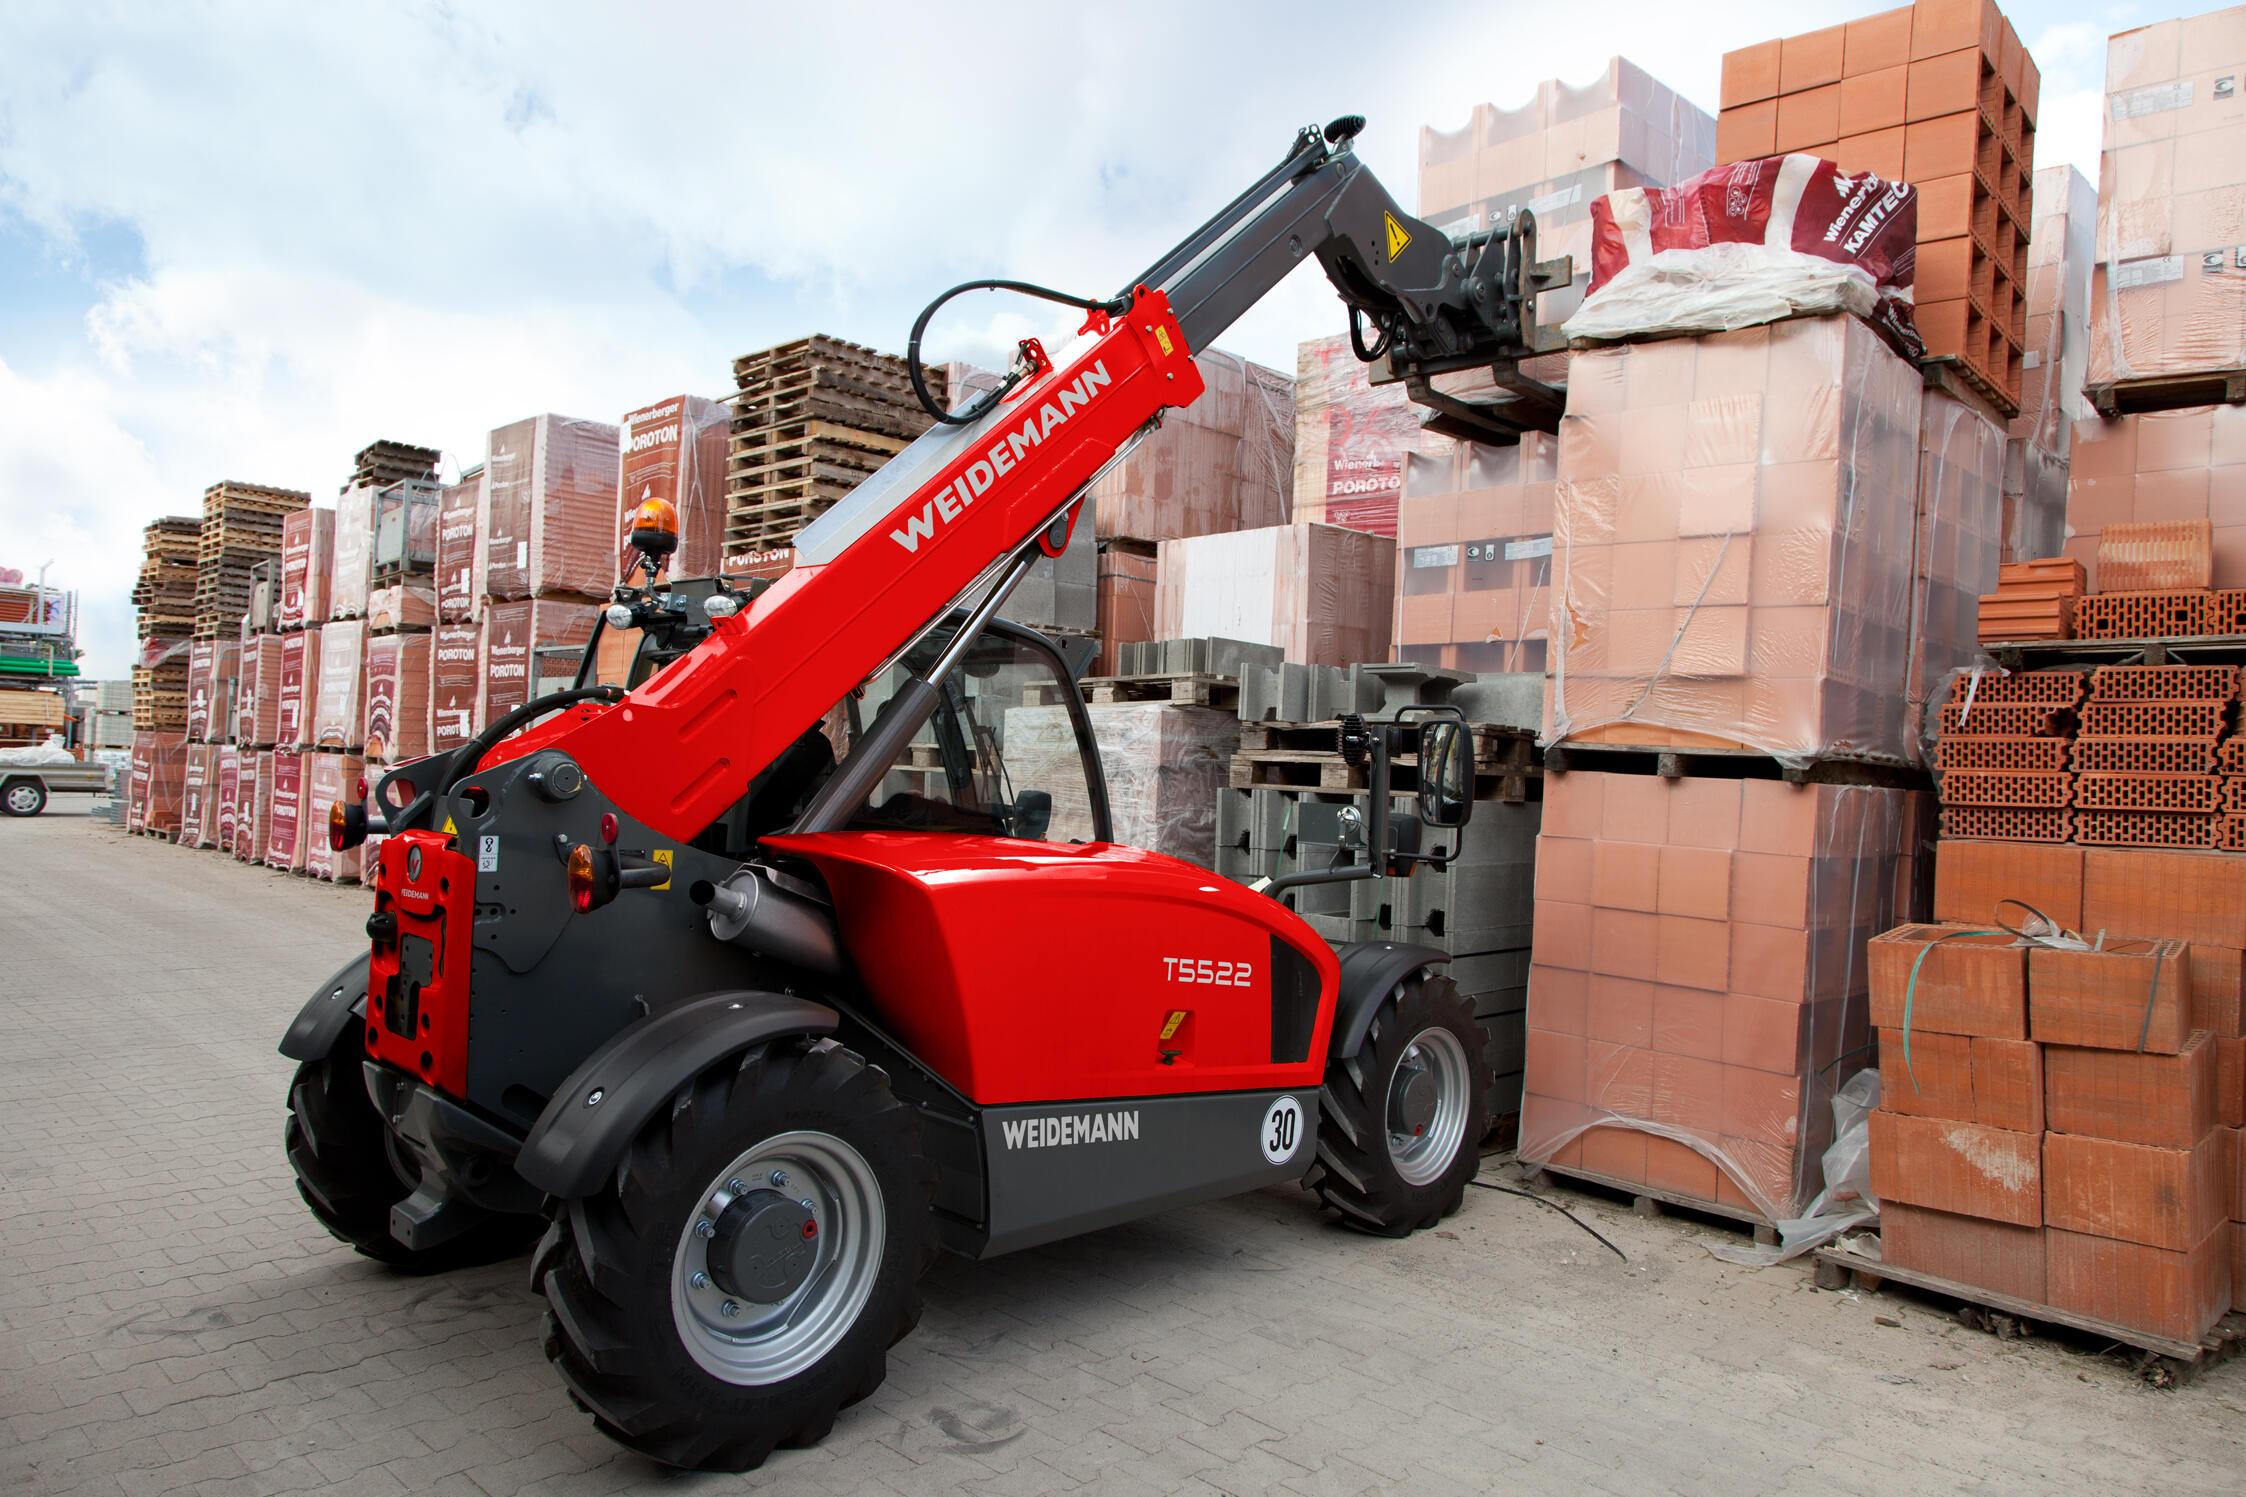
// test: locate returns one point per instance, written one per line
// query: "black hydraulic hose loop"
(1114, 306)
(1357, 339)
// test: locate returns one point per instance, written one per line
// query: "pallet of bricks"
(2062, 1081)
(165, 595)
(1942, 95)
(1291, 796)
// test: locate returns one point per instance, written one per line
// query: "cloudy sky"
(243, 240)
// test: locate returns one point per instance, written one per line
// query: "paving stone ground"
(171, 1320)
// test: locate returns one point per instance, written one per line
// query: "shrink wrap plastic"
(675, 450)
(402, 605)
(397, 707)
(1749, 243)
(227, 773)
(307, 568)
(1351, 440)
(342, 676)
(197, 818)
(1126, 605)
(1733, 542)
(405, 529)
(202, 692)
(1222, 463)
(353, 572)
(455, 685)
(1323, 594)
(298, 706)
(155, 778)
(1164, 765)
(254, 822)
(1698, 984)
(1474, 555)
(1556, 155)
(259, 719)
(2168, 295)
(551, 504)
(512, 633)
(2160, 466)
(328, 778)
(226, 687)
(2053, 364)
(284, 821)
(462, 513)
(1960, 546)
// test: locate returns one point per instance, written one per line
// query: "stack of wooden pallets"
(380, 464)
(811, 421)
(241, 527)
(165, 593)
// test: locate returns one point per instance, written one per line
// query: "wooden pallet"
(2168, 392)
(852, 407)
(1189, 689)
(1735, 763)
(1492, 744)
(2166, 1359)
(1285, 770)
(1649, 1200)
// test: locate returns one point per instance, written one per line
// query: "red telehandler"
(757, 983)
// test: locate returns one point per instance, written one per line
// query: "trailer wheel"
(1403, 1117)
(23, 798)
(350, 1172)
(741, 1279)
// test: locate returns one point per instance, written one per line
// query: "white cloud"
(421, 220)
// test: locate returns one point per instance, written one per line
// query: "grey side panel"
(341, 1000)
(1369, 970)
(583, 1131)
(1049, 1181)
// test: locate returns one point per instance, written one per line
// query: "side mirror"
(1033, 814)
(1446, 773)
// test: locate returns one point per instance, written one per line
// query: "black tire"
(339, 1147)
(1356, 1174)
(607, 1262)
(23, 797)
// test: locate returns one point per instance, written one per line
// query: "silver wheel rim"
(1436, 1057)
(21, 798)
(758, 1344)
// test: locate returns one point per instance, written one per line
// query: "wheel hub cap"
(1413, 1099)
(764, 1247)
(1429, 1095)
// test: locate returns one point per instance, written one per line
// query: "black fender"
(341, 1000)
(1369, 970)
(581, 1135)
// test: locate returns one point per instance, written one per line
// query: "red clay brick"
(2133, 994)
(2164, 829)
(1625, 875)
(1563, 867)
(2009, 719)
(2052, 688)
(1972, 878)
(2144, 755)
(2163, 1293)
(1966, 1078)
(1695, 881)
(2019, 755)
(1997, 787)
(2164, 683)
(2165, 1100)
(2007, 823)
(2169, 1198)
(2155, 719)
(2230, 1095)
(2238, 1265)
(2191, 896)
(2140, 615)
(1994, 1256)
(1968, 984)
(1967, 1168)
(1750, 73)
(2099, 790)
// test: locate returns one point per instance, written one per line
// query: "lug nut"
(704, 1229)
(736, 1187)
(779, 1179)
(700, 1280)
(729, 1309)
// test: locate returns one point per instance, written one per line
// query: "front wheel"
(23, 798)
(741, 1279)
(1402, 1117)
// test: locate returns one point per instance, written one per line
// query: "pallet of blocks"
(2054, 363)
(2033, 600)
(1940, 94)
(242, 527)
(812, 419)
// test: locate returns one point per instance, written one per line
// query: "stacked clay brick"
(1698, 984)
(1942, 95)
(2003, 754)
(2061, 1126)
(2146, 755)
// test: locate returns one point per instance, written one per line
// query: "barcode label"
(1528, 549)
(2158, 97)
(2156, 271)
(1435, 556)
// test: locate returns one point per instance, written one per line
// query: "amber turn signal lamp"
(583, 882)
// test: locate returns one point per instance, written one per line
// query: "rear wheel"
(742, 1278)
(23, 798)
(1402, 1117)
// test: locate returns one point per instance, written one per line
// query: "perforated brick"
(2231, 837)
(2140, 615)
(2014, 720)
(2164, 683)
(2225, 611)
(2103, 790)
(2145, 556)
(2006, 823)
(2234, 795)
(1999, 787)
(2020, 755)
(2145, 828)
(2231, 759)
(2057, 688)
(2145, 755)
(2155, 719)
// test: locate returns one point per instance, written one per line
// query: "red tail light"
(583, 880)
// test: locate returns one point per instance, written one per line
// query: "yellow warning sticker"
(1170, 1027)
(450, 829)
(662, 855)
(1162, 336)
(1398, 240)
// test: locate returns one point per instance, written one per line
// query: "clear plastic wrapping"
(2168, 295)
(284, 821)
(307, 566)
(254, 822)
(397, 693)
(551, 530)
(513, 635)
(462, 512)
(1733, 543)
(1222, 463)
(402, 605)
(674, 450)
(336, 720)
(327, 779)
(1474, 555)
(455, 685)
(2161, 466)
(257, 720)
(353, 570)
(2053, 365)
(1164, 765)
(156, 777)
(1960, 546)
(227, 776)
(201, 688)
(405, 529)
(198, 816)
(1566, 146)
(298, 705)
(1351, 440)
(1126, 604)
(1698, 984)
(1323, 594)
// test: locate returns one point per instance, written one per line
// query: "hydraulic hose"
(1114, 306)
